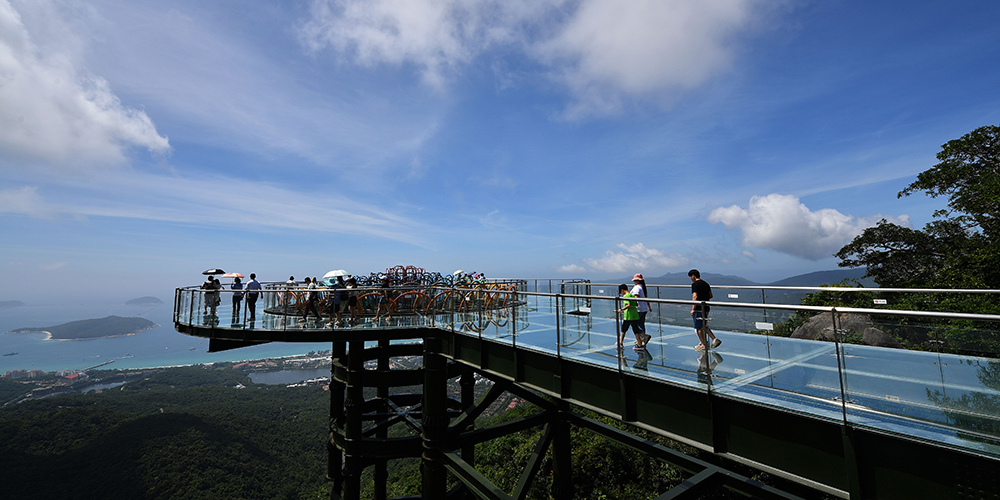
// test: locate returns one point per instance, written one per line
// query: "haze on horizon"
(142, 142)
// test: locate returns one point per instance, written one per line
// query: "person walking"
(639, 290)
(311, 296)
(237, 298)
(701, 291)
(630, 319)
(252, 286)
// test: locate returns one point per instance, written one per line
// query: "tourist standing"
(207, 297)
(237, 297)
(701, 291)
(252, 294)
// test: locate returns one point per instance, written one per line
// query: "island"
(144, 301)
(10, 303)
(111, 326)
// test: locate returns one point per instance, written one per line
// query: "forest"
(193, 432)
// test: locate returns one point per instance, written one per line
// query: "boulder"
(876, 337)
(820, 327)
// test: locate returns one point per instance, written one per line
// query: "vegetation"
(958, 250)
(156, 438)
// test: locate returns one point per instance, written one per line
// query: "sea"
(161, 346)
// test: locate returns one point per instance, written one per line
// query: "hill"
(818, 278)
(10, 303)
(144, 301)
(111, 326)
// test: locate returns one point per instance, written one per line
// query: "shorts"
(634, 324)
(698, 322)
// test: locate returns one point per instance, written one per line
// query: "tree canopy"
(960, 247)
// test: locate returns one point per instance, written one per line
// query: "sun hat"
(638, 277)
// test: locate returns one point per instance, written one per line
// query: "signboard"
(881, 302)
(765, 326)
(734, 295)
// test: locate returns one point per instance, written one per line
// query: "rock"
(876, 337)
(820, 327)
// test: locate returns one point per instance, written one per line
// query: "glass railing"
(939, 381)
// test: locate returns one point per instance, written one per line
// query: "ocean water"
(160, 346)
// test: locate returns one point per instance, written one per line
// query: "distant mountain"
(682, 279)
(818, 278)
(144, 301)
(111, 326)
(4, 304)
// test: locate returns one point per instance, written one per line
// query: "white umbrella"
(335, 273)
(232, 275)
(456, 273)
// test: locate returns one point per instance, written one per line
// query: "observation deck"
(845, 419)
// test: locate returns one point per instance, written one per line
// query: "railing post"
(559, 339)
(840, 364)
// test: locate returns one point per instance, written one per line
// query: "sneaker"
(699, 347)
(716, 343)
(638, 347)
(618, 345)
(648, 338)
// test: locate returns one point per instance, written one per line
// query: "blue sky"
(142, 142)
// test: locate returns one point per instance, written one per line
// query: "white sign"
(765, 326)
(734, 295)
(880, 302)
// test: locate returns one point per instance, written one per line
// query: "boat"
(11, 354)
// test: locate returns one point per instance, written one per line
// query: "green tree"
(960, 248)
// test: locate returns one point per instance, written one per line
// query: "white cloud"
(51, 111)
(571, 268)
(784, 224)
(435, 35)
(26, 201)
(648, 48)
(244, 205)
(601, 50)
(635, 257)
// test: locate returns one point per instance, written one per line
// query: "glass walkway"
(947, 394)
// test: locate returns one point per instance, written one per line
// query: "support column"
(354, 425)
(381, 473)
(562, 456)
(468, 385)
(435, 419)
(335, 457)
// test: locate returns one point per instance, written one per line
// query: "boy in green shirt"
(630, 318)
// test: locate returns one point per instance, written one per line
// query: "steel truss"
(368, 397)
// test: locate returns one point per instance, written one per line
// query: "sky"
(142, 142)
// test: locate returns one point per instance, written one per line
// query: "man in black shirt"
(701, 291)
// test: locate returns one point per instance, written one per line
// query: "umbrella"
(335, 273)
(456, 273)
(232, 275)
(213, 271)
